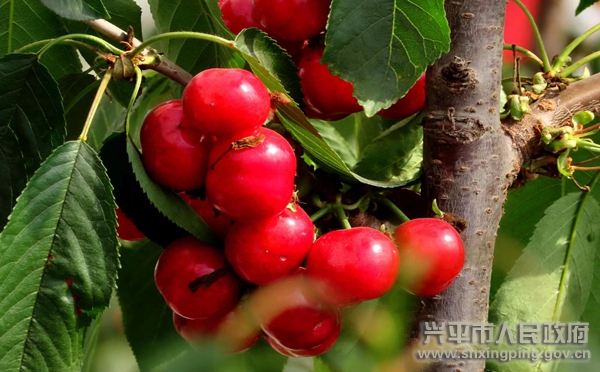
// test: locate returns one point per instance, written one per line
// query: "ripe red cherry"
(353, 265)
(234, 331)
(294, 20)
(218, 222)
(411, 103)
(263, 250)
(238, 15)
(174, 156)
(432, 255)
(126, 230)
(195, 281)
(251, 182)
(224, 101)
(291, 314)
(305, 352)
(324, 93)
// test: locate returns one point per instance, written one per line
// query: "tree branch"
(469, 162)
(166, 67)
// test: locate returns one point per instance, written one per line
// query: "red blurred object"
(126, 229)
(517, 29)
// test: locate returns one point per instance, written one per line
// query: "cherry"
(293, 316)
(226, 101)
(266, 249)
(324, 93)
(195, 281)
(218, 222)
(173, 155)
(305, 352)
(252, 182)
(233, 330)
(412, 102)
(294, 20)
(353, 265)
(238, 15)
(126, 230)
(432, 253)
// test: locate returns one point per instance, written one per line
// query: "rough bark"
(469, 162)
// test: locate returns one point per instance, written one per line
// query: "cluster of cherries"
(272, 278)
(297, 26)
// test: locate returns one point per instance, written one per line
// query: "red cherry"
(412, 102)
(294, 20)
(126, 230)
(324, 93)
(432, 254)
(305, 352)
(195, 281)
(224, 101)
(353, 265)
(238, 15)
(174, 156)
(291, 314)
(266, 249)
(252, 182)
(234, 331)
(218, 222)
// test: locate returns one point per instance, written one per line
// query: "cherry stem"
(538, 37)
(341, 216)
(61, 40)
(571, 69)
(183, 35)
(526, 52)
(586, 161)
(562, 57)
(588, 129)
(47, 41)
(392, 207)
(101, 89)
(206, 281)
(136, 90)
(81, 94)
(320, 213)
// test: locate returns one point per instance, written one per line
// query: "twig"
(166, 67)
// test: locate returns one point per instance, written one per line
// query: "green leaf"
(552, 280)
(395, 155)
(131, 198)
(150, 332)
(169, 203)
(199, 16)
(384, 46)
(32, 21)
(583, 5)
(366, 129)
(78, 10)
(32, 124)
(265, 50)
(63, 228)
(335, 140)
(92, 334)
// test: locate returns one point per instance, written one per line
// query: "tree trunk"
(469, 161)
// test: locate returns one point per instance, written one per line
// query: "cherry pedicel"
(326, 95)
(226, 101)
(238, 15)
(174, 156)
(252, 182)
(263, 250)
(195, 281)
(352, 265)
(294, 20)
(432, 254)
(411, 103)
(292, 316)
(126, 230)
